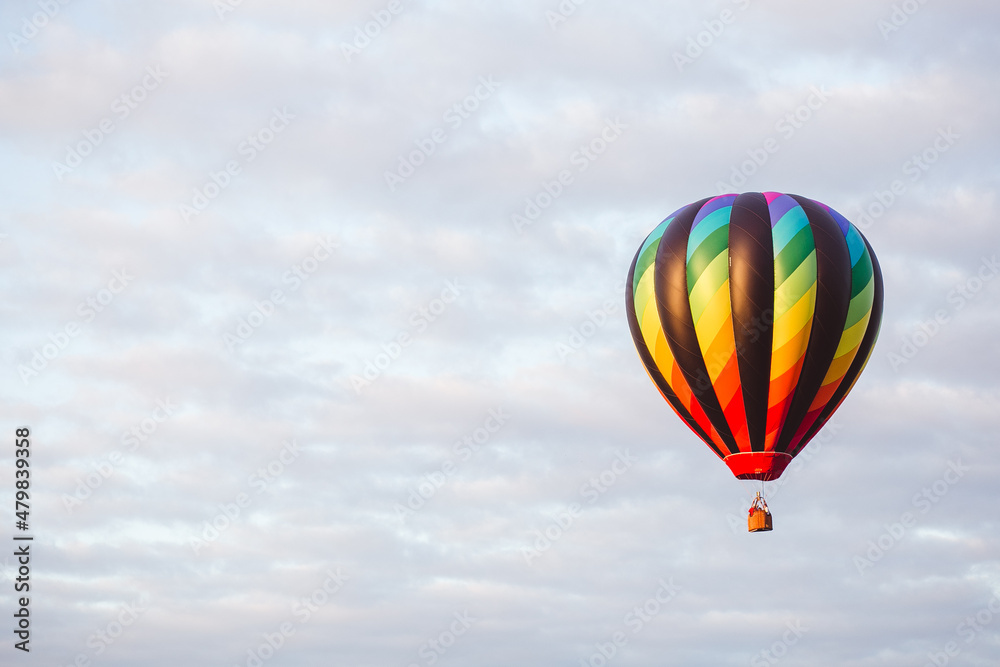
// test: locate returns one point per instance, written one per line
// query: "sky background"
(285, 342)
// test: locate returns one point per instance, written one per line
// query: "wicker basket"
(759, 521)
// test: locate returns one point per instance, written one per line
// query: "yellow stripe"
(719, 310)
(791, 324)
(853, 336)
(802, 278)
(718, 353)
(656, 342)
(650, 325)
(839, 366)
(702, 291)
(664, 358)
(781, 361)
(644, 290)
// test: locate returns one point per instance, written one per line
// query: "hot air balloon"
(754, 315)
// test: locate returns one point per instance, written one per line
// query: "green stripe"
(642, 298)
(712, 278)
(708, 225)
(790, 224)
(715, 243)
(645, 260)
(647, 255)
(861, 274)
(788, 293)
(861, 305)
(793, 254)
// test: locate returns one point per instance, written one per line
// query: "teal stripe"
(861, 274)
(708, 225)
(788, 227)
(716, 243)
(655, 236)
(794, 253)
(647, 254)
(645, 260)
(855, 244)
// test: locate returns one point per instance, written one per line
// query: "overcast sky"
(315, 311)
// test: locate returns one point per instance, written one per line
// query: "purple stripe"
(779, 207)
(711, 206)
(841, 220)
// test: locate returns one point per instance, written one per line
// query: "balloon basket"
(759, 520)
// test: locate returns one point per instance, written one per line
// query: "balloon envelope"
(754, 315)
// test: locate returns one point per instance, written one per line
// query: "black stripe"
(751, 290)
(678, 325)
(650, 364)
(833, 298)
(864, 352)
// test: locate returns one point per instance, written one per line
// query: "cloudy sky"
(314, 310)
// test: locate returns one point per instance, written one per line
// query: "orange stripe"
(824, 395)
(728, 385)
(783, 386)
(778, 410)
(787, 355)
(726, 381)
(718, 353)
(839, 366)
(826, 392)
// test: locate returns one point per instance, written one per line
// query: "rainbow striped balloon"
(754, 315)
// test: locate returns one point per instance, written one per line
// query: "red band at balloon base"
(764, 466)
